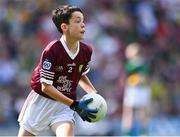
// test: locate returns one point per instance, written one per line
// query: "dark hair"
(62, 14)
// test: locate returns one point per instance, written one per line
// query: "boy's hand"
(81, 108)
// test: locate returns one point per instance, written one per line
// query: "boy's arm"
(86, 84)
(55, 94)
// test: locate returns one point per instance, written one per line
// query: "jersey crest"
(47, 65)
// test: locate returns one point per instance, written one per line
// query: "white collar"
(71, 55)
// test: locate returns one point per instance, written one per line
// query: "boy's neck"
(71, 44)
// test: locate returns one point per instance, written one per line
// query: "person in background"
(137, 94)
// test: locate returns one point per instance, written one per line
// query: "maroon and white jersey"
(60, 68)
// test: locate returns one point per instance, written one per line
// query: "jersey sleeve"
(87, 69)
(89, 54)
(47, 65)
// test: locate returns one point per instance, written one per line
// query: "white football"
(99, 104)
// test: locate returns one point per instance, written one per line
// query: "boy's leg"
(63, 129)
(23, 133)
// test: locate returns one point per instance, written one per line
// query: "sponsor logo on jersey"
(47, 65)
(80, 67)
(71, 65)
(66, 85)
(59, 68)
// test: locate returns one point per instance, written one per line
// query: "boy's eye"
(78, 21)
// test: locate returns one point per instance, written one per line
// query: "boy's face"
(76, 26)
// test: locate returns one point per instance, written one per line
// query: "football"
(98, 103)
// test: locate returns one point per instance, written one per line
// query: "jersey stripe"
(47, 71)
(86, 71)
(46, 74)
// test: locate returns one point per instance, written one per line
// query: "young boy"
(62, 66)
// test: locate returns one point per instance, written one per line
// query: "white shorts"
(137, 96)
(40, 113)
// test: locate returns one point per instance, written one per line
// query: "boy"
(63, 65)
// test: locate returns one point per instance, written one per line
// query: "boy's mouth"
(82, 32)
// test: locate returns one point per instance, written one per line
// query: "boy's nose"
(83, 25)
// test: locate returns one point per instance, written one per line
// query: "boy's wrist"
(74, 105)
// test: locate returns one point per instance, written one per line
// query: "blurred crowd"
(111, 27)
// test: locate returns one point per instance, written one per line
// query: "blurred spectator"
(137, 96)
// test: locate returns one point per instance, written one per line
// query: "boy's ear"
(64, 27)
